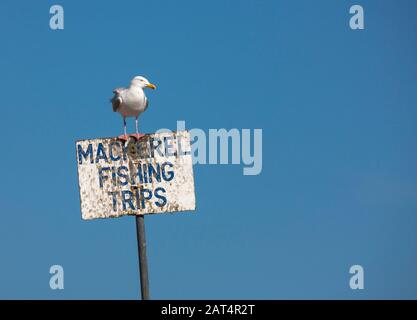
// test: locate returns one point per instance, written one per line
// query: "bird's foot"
(138, 135)
(123, 137)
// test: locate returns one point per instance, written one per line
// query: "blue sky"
(338, 110)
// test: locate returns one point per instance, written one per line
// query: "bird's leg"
(124, 137)
(124, 126)
(138, 135)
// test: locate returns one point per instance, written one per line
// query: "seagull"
(131, 101)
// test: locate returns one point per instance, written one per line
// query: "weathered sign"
(151, 175)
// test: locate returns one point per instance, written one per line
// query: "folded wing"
(117, 100)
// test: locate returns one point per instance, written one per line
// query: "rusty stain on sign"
(151, 175)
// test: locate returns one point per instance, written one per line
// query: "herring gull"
(131, 101)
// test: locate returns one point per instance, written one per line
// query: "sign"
(151, 175)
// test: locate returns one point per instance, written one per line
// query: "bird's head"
(142, 82)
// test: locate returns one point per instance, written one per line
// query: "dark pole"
(143, 261)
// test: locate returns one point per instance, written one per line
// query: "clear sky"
(338, 110)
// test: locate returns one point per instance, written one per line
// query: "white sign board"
(151, 175)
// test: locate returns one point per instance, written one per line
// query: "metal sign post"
(143, 261)
(152, 175)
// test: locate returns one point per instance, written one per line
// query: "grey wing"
(117, 98)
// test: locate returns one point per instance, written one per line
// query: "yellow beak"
(150, 85)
